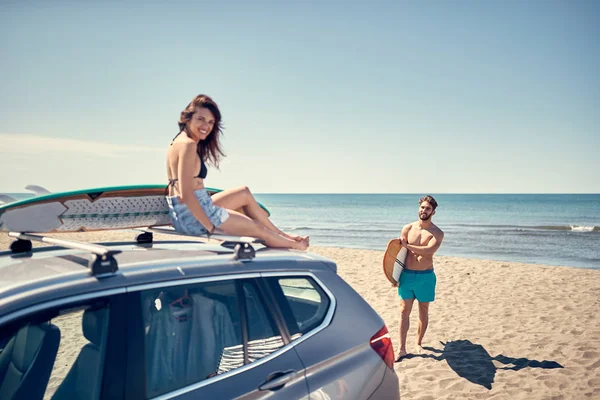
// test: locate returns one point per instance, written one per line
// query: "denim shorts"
(184, 221)
(418, 285)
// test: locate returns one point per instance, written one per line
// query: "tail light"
(382, 344)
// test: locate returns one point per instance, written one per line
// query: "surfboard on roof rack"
(107, 208)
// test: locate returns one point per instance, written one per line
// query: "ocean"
(550, 229)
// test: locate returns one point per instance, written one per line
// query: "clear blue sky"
(334, 96)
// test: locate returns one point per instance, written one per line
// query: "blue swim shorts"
(184, 221)
(418, 285)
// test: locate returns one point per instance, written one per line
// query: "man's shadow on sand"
(474, 363)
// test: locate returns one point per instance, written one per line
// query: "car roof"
(59, 272)
(54, 261)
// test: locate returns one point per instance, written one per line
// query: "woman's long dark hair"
(209, 150)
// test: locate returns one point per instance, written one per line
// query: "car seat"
(84, 379)
(27, 361)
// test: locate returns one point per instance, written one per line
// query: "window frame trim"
(243, 310)
(274, 310)
(36, 308)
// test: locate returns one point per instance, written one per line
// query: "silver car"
(184, 319)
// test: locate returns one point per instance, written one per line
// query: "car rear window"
(303, 303)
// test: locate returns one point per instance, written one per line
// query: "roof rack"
(242, 245)
(103, 263)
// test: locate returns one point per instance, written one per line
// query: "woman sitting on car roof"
(193, 211)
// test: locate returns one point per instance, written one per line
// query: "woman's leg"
(240, 225)
(241, 197)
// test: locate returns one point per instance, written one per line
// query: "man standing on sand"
(417, 281)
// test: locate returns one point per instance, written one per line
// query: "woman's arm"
(185, 175)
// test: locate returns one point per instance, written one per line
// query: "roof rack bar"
(241, 245)
(101, 265)
(218, 237)
(70, 244)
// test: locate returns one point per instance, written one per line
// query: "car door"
(210, 338)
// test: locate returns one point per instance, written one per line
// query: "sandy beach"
(497, 330)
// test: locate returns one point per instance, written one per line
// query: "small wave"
(524, 228)
(574, 228)
(301, 228)
(364, 229)
(578, 228)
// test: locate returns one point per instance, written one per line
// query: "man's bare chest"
(418, 236)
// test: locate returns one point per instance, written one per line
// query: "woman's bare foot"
(300, 245)
(420, 349)
(305, 239)
(298, 238)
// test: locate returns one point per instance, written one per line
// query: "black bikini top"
(201, 174)
(203, 170)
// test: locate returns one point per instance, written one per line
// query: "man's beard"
(424, 217)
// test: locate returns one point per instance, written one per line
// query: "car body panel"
(244, 383)
(389, 387)
(336, 361)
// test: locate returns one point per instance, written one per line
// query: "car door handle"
(277, 379)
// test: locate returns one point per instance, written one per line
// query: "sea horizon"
(557, 229)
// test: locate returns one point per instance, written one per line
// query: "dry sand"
(498, 330)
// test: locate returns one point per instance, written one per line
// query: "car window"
(49, 354)
(260, 322)
(302, 301)
(263, 336)
(195, 332)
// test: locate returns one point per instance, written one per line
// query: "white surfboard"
(121, 207)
